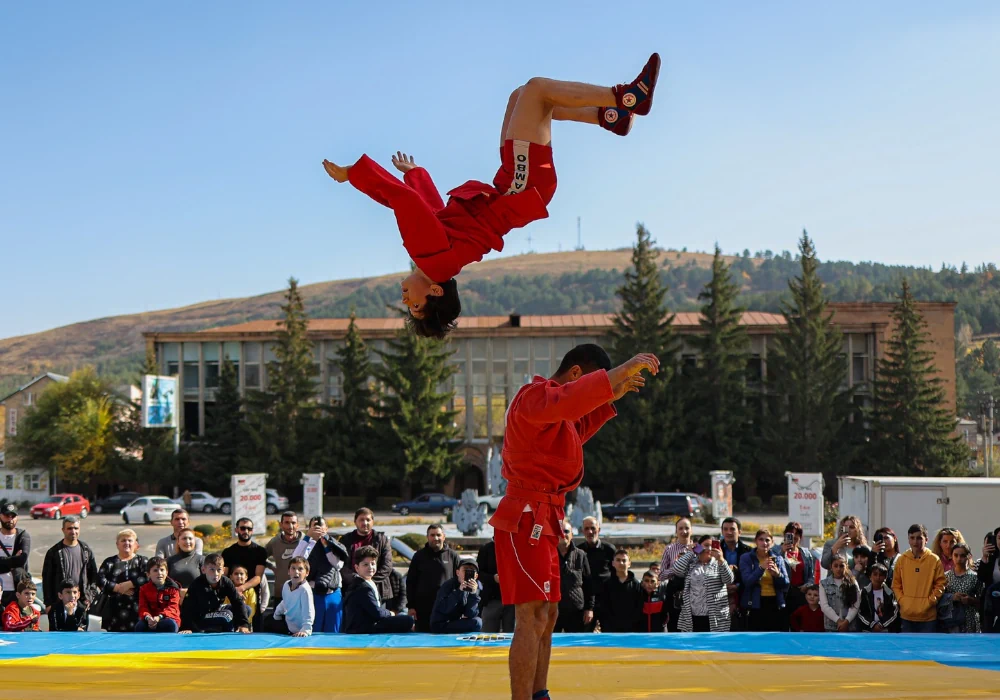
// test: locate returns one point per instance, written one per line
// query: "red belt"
(544, 499)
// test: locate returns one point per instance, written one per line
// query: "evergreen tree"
(225, 436)
(351, 456)
(279, 418)
(717, 415)
(423, 443)
(912, 427)
(808, 404)
(633, 450)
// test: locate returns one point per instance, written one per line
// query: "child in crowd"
(21, 615)
(809, 617)
(862, 558)
(239, 577)
(296, 612)
(655, 610)
(204, 609)
(363, 611)
(879, 611)
(159, 600)
(456, 609)
(66, 613)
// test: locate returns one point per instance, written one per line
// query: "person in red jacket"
(547, 423)
(159, 600)
(808, 617)
(443, 238)
(21, 615)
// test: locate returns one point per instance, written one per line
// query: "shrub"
(414, 540)
(205, 530)
(779, 503)
(273, 527)
(227, 523)
(755, 503)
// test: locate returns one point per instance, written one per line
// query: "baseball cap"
(468, 561)
(8, 509)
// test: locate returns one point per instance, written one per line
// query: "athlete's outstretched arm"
(419, 179)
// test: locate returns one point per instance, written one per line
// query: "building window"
(3, 460)
(9, 482)
(171, 360)
(251, 373)
(335, 381)
(192, 370)
(12, 421)
(231, 352)
(27, 398)
(860, 368)
(210, 358)
(33, 482)
(755, 370)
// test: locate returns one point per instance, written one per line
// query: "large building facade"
(496, 355)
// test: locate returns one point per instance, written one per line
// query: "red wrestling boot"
(618, 121)
(637, 97)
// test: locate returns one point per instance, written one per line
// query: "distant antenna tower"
(579, 238)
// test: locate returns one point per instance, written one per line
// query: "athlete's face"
(416, 288)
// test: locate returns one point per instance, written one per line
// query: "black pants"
(700, 624)
(766, 618)
(794, 599)
(395, 625)
(424, 609)
(569, 620)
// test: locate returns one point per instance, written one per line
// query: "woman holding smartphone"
(765, 580)
(801, 565)
(850, 533)
(705, 607)
(885, 547)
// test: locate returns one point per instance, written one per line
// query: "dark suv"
(649, 506)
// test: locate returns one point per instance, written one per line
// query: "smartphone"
(844, 530)
(789, 538)
(991, 539)
(716, 544)
(879, 536)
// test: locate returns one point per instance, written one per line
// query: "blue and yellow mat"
(87, 666)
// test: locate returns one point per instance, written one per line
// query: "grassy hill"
(567, 282)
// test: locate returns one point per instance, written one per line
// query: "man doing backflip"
(442, 238)
(547, 423)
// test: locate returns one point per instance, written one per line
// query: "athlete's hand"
(403, 162)
(633, 383)
(337, 172)
(642, 361)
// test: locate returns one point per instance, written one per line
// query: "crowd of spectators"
(323, 583)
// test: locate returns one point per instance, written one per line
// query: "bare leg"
(584, 115)
(531, 119)
(510, 110)
(549, 614)
(529, 619)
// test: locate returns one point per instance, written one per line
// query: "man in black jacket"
(15, 546)
(70, 559)
(203, 609)
(576, 607)
(364, 535)
(732, 549)
(600, 555)
(429, 568)
(620, 602)
(497, 617)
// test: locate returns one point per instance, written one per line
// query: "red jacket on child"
(15, 621)
(805, 619)
(163, 602)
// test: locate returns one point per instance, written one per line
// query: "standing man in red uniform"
(547, 423)
(443, 238)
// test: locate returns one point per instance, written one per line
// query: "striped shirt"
(670, 554)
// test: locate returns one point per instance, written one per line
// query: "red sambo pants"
(528, 569)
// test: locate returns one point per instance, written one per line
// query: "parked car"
(115, 502)
(427, 503)
(275, 503)
(60, 504)
(149, 509)
(648, 506)
(203, 502)
(492, 501)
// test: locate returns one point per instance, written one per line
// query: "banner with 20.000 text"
(250, 500)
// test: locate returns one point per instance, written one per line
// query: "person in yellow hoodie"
(918, 583)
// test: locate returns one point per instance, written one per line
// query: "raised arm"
(419, 179)
(547, 403)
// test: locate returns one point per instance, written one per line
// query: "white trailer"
(972, 505)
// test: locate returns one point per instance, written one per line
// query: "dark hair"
(179, 511)
(862, 551)
(435, 526)
(590, 357)
(67, 584)
(237, 568)
(705, 538)
(794, 527)
(881, 568)
(366, 552)
(810, 587)
(244, 520)
(621, 550)
(735, 521)
(915, 528)
(650, 574)
(155, 563)
(439, 313)
(26, 585)
(300, 560)
(317, 519)
(214, 558)
(849, 588)
(363, 511)
(288, 514)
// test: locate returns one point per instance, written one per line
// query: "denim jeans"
(164, 625)
(919, 627)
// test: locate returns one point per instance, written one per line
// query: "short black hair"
(915, 528)
(67, 584)
(366, 552)
(155, 563)
(439, 313)
(589, 356)
(734, 521)
(435, 526)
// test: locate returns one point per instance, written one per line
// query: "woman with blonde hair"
(119, 579)
(946, 538)
(850, 534)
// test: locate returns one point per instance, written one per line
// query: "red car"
(59, 504)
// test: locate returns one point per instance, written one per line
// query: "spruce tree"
(808, 402)
(717, 416)
(912, 427)
(633, 450)
(279, 419)
(423, 444)
(225, 436)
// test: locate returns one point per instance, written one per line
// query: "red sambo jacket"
(547, 424)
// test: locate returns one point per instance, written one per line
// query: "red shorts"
(525, 165)
(528, 569)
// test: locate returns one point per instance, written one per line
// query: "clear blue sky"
(160, 154)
